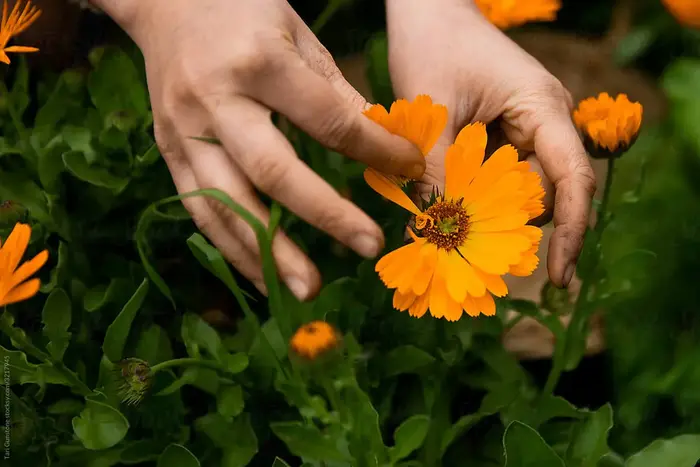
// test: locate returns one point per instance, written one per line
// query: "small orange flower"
(314, 339)
(14, 24)
(610, 126)
(14, 286)
(470, 236)
(686, 12)
(421, 122)
(506, 14)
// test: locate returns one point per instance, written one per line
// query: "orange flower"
(610, 126)
(14, 24)
(14, 286)
(470, 236)
(686, 12)
(421, 122)
(506, 14)
(313, 339)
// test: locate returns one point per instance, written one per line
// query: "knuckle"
(267, 173)
(339, 130)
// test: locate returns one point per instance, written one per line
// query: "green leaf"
(66, 407)
(236, 438)
(101, 295)
(279, 463)
(138, 452)
(409, 436)
(189, 376)
(58, 273)
(214, 262)
(635, 44)
(18, 188)
(196, 334)
(79, 140)
(377, 59)
(229, 401)
(118, 331)
(100, 426)
(177, 455)
(153, 345)
(19, 94)
(150, 157)
(115, 84)
(76, 164)
(21, 369)
(680, 451)
(541, 410)
(405, 359)
(307, 442)
(56, 317)
(590, 438)
(235, 363)
(524, 447)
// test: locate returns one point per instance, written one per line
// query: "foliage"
(132, 284)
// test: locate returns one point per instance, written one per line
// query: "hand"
(447, 49)
(218, 68)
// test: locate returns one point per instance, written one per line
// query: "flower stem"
(582, 308)
(185, 362)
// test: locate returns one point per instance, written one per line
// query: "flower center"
(444, 224)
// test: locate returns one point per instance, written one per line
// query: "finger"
(269, 161)
(564, 160)
(315, 106)
(548, 200)
(245, 262)
(213, 168)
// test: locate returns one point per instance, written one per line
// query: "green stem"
(326, 15)
(582, 308)
(26, 346)
(185, 362)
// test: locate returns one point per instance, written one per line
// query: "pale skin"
(219, 68)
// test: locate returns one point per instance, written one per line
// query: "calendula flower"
(314, 339)
(686, 12)
(506, 14)
(14, 286)
(134, 378)
(13, 24)
(610, 126)
(420, 121)
(469, 236)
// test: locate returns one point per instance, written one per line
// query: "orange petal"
(494, 253)
(402, 302)
(420, 306)
(439, 297)
(428, 259)
(503, 160)
(14, 248)
(20, 293)
(495, 284)
(485, 304)
(20, 49)
(27, 269)
(463, 159)
(388, 189)
(501, 223)
(460, 277)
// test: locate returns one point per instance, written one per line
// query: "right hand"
(218, 68)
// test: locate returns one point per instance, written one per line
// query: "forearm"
(123, 12)
(395, 8)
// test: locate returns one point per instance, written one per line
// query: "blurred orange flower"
(506, 14)
(314, 339)
(13, 24)
(610, 126)
(469, 236)
(686, 12)
(14, 286)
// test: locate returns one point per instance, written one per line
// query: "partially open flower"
(686, 12)
(506, 14)
(134, 378)
(14, 23)
(314, 339)
(610, 126)
(15, 283)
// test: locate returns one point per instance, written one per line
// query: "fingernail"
(298, 287)
(366, 245)
(568, 274)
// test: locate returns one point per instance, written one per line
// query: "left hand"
(447, 49)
